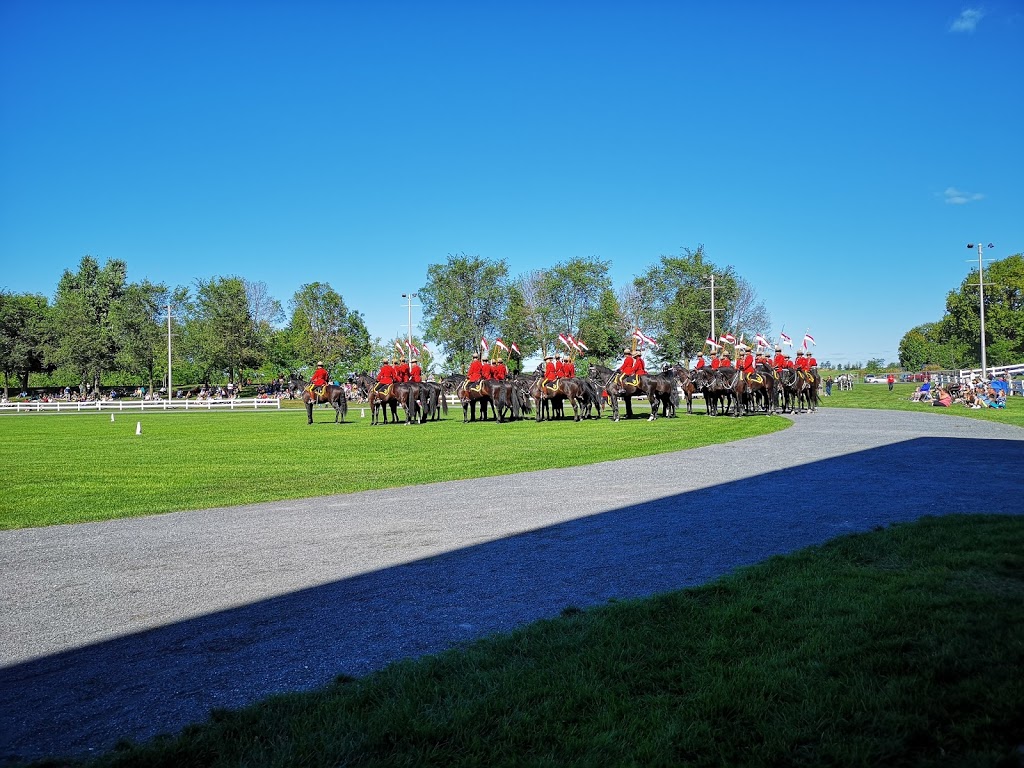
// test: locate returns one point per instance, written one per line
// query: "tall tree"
(322, 327)
(745, 314)
(464, 299)
(603, 327)
(25, 334)
(222, 333)
(535, 312)
(83, 313)
(1004, 314)
(516, 326)
(139, 321)
(573, 288)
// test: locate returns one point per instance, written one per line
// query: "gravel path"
(130, 628)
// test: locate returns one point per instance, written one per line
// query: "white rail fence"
(64, 406)
(969, 374)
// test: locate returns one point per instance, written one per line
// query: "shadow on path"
(160, 680)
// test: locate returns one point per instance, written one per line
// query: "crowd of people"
(976, 395)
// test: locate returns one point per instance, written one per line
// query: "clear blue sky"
(839, 155)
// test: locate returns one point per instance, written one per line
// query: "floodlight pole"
(981, 302)
(170, 391)
(409, 297)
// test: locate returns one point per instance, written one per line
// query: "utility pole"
(713, 310)
(981, 302)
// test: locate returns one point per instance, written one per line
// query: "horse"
(662, 389)
(759, 385)
(717, 387)
(559, 390)
(381, 396)
(617, 385)
(470, 393)
(689, 382)
(328, 394)
(795, 390)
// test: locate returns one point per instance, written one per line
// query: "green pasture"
(878, 396)
(900, 647)
(78, 468)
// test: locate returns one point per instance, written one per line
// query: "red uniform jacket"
(779, 361)
(627, 366)
(499, 371)
(639, 369)
(559, 370)
(415, 373)
(801, 363)
(716, 363)
(487, 370)
(700, 362)
(570, 369)
(402, 372)
(812, 363)
(386, 375)
(550, 371)
(319, 377)
(475, 372)
(747, 363)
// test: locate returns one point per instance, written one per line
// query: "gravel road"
(130, 628)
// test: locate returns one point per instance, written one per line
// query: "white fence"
(1010, 370)
(63, 406)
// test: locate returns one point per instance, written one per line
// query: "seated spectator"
(942, 398)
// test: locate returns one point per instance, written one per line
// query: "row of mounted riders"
(726, 391)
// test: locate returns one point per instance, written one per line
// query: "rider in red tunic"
(746, 363)
(402, 371)
(801, 361)
(810, 361)
(498, 370)
(560, 366)
(779, 361)
(700, 361)
(569, 368)
(415, 372)
(628, 363)
(476, 370)
(486, 369)
(320, 375)
(639, 368)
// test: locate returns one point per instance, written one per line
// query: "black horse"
(329, 394)
(617, 385)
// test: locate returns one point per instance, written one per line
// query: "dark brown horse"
(617, 385)
(328, 394)
(557, 392)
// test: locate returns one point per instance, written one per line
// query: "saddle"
(315, 391)
(384, 390)
(806, 376)
(547, 386)
(755, 378)
(632, 379)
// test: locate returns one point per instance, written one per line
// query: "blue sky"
(839, 156)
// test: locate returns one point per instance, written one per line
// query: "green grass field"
(78, 468)
(902, 647)
(878, 396)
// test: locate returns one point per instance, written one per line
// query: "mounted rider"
(639, 367)
(560, 366)
(486, 369)
(779, 361)
(385, 379)
(568, 367)
(627, 366)
(700, 362)
(498, 370)
(320, 379)
(402, 371)
(475, 374)
(550, 381)
(415, 372)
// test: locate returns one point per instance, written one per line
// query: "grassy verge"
(878, 396)
(899, 647)
(77, 468)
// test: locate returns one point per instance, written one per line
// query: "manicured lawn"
(75, 468)
(878, 396)
(901, 647)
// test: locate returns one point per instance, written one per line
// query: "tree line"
(954, 341)
(102, 330)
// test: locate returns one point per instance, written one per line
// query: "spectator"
(890, 379)
(828, 386)
(942, 398)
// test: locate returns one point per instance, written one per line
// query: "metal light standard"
(409, 297)
(981, 302)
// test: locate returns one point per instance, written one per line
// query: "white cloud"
(955, 197)
(967, 20)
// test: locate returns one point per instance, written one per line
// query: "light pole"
(170, 392)
(981, 302)
(409, 297)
